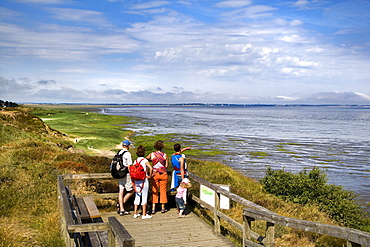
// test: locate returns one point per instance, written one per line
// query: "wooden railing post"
(270, 234)
(351, 244)
(111, 239)
(122, 236)
(62, 203)
(217, 224)
(247, 228)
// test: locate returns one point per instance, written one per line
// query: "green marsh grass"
(33, 154)
(87, 129)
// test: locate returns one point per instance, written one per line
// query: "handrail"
(252, 211)
(255, 212)
(350, 234)
(244, 202)
(116, 230)
(122, 235)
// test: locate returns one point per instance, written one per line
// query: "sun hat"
(126, 143)
(185, 181)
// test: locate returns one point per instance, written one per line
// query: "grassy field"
(34, 152)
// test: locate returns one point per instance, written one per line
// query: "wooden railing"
(252, 212)
(72, 228)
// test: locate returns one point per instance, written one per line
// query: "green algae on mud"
(259, 154)
(92, 131)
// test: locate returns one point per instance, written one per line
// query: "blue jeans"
(180, 203)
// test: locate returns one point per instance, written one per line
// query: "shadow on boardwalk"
(169, 230)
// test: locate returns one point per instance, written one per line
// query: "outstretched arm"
(184, 149)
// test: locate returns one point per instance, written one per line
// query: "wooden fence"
(252, 212)
(75, 233)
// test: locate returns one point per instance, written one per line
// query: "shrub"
(310, 187)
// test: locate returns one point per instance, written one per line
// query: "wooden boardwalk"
(169, 230)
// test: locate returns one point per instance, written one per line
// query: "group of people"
(155, 166)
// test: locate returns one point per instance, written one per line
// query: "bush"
(310, 187)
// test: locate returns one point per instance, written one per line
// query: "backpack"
(137, 172)
(117, 169)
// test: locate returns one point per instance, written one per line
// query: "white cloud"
(296, 23)
(364, 96)
(293, 39)
(149, 5)
(286, 98)
(234, 3)
(252, 12)
(339, 98)
(296, 62)
(79, 15)
(306, 4)
(238, 50)
(302, 2)
(42, 1)
(63, 45)
(8, 13)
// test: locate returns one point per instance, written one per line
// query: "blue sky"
(186, 51)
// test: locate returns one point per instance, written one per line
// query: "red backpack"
(137, 172)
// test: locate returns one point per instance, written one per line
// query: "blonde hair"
(188, 185)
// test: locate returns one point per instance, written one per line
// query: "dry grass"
(13, 232)
(32, 155)
(252, 190)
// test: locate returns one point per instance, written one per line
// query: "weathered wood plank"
(352, 235)
(103, 238)
(102, 195)
(84, 214)
(66, 217)
(93, 239)
(87, 176)
(66, 207)
(165, 229)
(253, 211)
(91, 207)
(89, 227)
(123, 237)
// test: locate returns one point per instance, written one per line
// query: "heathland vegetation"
(37, 144)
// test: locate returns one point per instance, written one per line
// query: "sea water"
(335, 139)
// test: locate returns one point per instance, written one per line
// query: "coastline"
(264, 151)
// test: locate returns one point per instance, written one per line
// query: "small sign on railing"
(208, 195)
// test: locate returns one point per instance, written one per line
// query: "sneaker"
(136, 215)
(146, 217)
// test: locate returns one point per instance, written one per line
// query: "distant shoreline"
(195, 104)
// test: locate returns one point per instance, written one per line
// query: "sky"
(185, 51)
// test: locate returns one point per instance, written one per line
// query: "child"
(141, 187)
(180, 197)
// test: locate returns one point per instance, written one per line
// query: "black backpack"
(117, 169)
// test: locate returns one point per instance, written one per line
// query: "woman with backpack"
(140, 171)
(160, 176)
